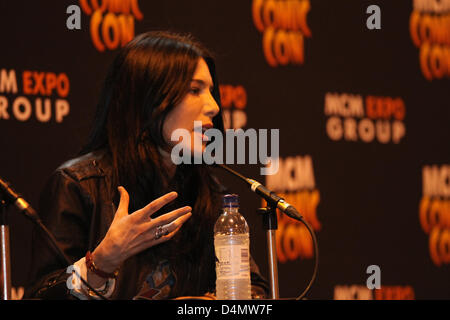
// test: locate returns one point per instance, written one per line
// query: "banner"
(359, 91)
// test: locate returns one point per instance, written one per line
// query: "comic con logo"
(429, 26)
(350, 117)
(434, 211)
(32, 94)
(295, 182)
(112, 22)
(284, 26)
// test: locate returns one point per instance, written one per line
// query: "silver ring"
(161, 231)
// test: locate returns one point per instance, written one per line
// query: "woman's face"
(198, 105)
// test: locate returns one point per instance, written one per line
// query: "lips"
(205, 127)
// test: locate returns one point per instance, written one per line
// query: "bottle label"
(233, 262)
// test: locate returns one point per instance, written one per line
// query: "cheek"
(176, 119)
(182, 117)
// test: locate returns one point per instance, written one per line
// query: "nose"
(211, 108)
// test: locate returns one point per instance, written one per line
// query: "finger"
(155, 205)
(149, 240)
(167, 219)
(171, 216)
(168, 236)
(172, 226)
(122, 210)
(172, 229)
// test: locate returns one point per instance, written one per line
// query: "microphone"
(271, 197)
(16, 199)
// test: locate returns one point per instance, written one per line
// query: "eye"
(195, 91)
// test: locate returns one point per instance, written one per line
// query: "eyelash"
(196, 91)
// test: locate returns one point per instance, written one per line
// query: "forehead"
(202, 72)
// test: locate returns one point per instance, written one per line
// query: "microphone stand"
(5, 256)
(270, 223)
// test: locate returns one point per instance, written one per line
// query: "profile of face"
(197, 105)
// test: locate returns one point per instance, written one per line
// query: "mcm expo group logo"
(352, 117)
(34, 95)
(234, 103)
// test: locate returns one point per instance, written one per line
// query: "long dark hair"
(146, 80)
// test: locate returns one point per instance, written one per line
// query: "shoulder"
(92, 165)
(81, 182)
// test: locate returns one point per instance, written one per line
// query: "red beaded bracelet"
(92, 267)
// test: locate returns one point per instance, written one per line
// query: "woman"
(158, 243)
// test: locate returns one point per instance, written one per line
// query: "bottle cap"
(231, 200)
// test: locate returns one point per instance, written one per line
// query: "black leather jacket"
(77, 207)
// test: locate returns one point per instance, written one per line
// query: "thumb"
(122, 210)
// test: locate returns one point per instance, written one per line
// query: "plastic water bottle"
(232, 247)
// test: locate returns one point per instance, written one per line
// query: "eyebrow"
(202, 83)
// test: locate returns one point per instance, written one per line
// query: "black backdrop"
(361, 187)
